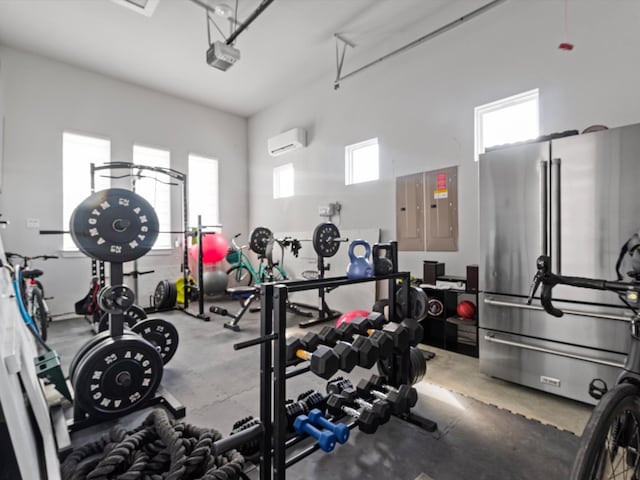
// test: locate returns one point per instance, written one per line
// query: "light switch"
(33, 223)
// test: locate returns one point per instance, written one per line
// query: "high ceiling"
(288, 46)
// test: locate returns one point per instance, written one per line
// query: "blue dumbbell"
(326, 439)
(340, 430)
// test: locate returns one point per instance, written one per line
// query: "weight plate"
(133, 315)
(84, 349)
(435, 307)
(258, 239)
(116, 376)
(161, 295)
(323, 239)
(418, 303)
(116, 299)
(161, 334)
(114, 225)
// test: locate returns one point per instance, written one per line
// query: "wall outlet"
(33, 223)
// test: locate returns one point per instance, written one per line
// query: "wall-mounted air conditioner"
(287, 141)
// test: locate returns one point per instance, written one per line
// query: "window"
(509, 120)
(203, 190)
(283, 181)
(78, 153)
(154, 188)
(361, 162)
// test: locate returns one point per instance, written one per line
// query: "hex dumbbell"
(306, 402)
(326, 439)
(398, 400)
(380, 338)
(324, 361)
(347, 355)
(368, 422)
(340, 430)
(344, 387)
(416, 331)
(367, 354)
(410, 393)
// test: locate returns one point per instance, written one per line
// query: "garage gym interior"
(358, 239)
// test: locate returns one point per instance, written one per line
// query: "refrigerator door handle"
(544, 231)
(580, 313)
(493, 339)
(556, 220)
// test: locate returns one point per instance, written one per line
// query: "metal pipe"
(261, 8)
(428, 36)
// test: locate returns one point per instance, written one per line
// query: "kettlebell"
(359, 267)
(382, 263)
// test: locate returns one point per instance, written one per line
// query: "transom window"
(361, 162)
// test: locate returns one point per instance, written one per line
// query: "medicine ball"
(466, 309)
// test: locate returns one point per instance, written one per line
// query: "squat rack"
(274, 374)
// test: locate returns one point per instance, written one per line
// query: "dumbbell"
(410, 393)
(324, 361)
(416, 331)
(347, 355)
(386, 340)
(367, 353)
(344, 387)
(398, 399)
(368, 421)
(340, 430)
(305, 403)
(326, 440)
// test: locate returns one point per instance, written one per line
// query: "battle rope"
(160, 449)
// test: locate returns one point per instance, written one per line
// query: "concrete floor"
(478, 436)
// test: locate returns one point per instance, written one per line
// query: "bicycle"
(610, 443)
(31, 291)
(242, 272)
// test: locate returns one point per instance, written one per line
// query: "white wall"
(420, 106)
(45, 97)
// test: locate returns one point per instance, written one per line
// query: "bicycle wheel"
(38, 312)
(239, 276)
(610, 445)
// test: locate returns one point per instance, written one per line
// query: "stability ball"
(214, 248)
(350, 316)
(214, 282)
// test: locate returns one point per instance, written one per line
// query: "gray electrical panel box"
(427, 211)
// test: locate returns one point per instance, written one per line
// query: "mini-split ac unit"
(287, 141)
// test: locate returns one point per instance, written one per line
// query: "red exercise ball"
(350, 316)
(214, 248)
(466, 309)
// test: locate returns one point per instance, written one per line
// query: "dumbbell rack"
(274, 374)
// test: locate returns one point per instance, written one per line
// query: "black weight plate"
(161, 334)
(323, 239)
(418, 303)
(84, 349)
(116, 376)
(116, 298)
(133, 315)
(114, 225)
(258, 239)
(161, 295)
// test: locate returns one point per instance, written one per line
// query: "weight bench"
(247, 296)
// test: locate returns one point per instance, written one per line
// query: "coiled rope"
(160, 449)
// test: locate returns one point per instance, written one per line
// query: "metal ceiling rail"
(424, 38)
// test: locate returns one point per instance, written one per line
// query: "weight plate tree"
(326, 239)
(161, 334)
(114, 225)
(117, 375)
(258, 240)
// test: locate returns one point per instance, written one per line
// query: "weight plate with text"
(84, 349)
(114, 225)
(115, 299)
(134, 314)
(117, 376)
(258, 240)
(161, 334)
(326, 239)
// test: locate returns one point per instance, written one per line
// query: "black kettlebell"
(360, 266)
(382, 264)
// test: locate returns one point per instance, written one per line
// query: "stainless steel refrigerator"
(576, 199)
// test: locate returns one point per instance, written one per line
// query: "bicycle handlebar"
(549, 280)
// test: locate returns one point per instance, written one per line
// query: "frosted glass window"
(362, 162)
(157, 193)
(78, 153)
(283, 181)
(203, 190)
(510, 120)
